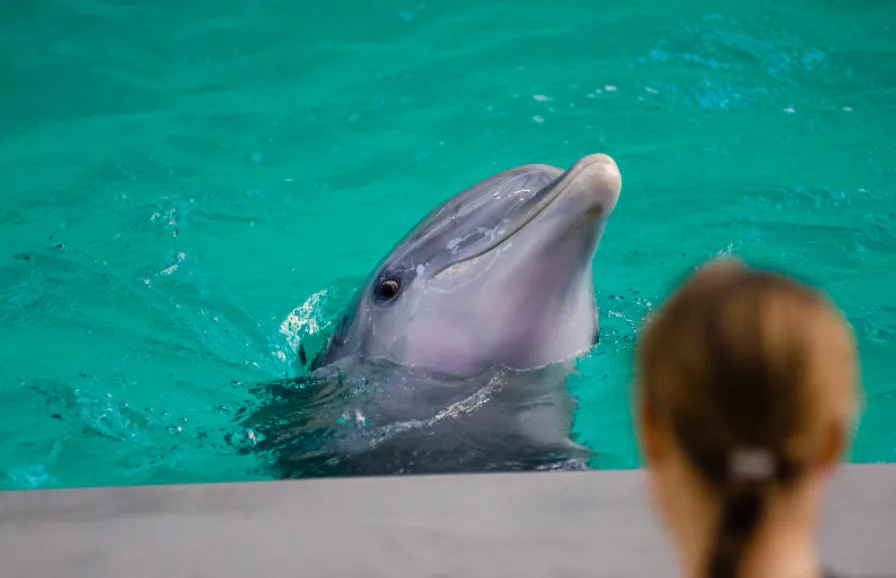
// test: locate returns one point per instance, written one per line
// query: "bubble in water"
(355, 417)
(243, 439)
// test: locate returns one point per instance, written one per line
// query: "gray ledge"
(531, 524)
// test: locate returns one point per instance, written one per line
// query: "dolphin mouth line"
(559, 185)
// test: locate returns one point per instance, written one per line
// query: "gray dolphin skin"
(454, 353)
(501, 274)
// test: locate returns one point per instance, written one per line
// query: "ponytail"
(745, 480)
(742, 509)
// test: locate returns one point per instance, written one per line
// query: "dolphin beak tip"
(599, 173)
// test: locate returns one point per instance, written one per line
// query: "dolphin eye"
(388, 289)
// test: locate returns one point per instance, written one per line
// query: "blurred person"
(747, 390)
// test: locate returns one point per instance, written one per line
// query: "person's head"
(746, 389)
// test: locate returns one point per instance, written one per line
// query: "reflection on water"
(370, 417)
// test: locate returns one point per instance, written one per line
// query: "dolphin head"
(499, 275)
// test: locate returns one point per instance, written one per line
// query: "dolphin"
(454, 351)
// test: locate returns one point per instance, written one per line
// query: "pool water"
(191, 188)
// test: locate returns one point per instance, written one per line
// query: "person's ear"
(833, 448)
(649, 434)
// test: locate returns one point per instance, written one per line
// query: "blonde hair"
(749, 370)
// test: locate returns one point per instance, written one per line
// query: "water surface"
(191, 188)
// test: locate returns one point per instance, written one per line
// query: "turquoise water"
(191, 188)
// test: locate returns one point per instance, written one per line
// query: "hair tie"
(751, 465)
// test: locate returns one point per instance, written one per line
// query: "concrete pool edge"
(530, 524)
